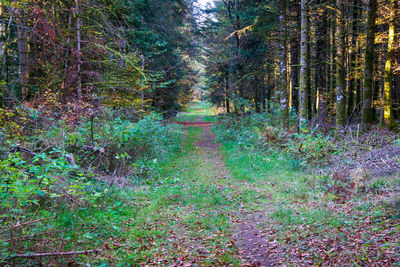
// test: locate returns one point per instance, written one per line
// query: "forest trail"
(253, 246)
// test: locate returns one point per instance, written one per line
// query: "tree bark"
(283, 67)
(310, 95)
(5, 49)
(352, 59)
(341, 69)
(23, 54)
(369, 65)
(227, 86)
(303, 99)
(295, 59)
(388, 76)
(78, 47)
(321, 66)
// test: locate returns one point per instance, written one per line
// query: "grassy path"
(229, 206)
(253, 249)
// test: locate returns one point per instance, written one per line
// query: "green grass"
(298, 211)
(184, 216)
(274, 174)
(187, 214)
(180, 213)
(197, 110)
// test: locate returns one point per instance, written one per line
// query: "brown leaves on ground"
(363, 240)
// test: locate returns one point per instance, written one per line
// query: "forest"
(199, 133)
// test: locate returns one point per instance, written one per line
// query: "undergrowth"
(314, 212)
(58, 190)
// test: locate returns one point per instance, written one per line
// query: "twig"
(46, 233)
(25, 224)
(352, 114)
(67, 253)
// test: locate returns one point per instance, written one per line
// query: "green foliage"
(312, 147)
(262, 132)
(117, 145)
(29, 183)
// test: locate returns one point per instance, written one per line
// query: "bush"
(262, 132)
(115, 145)
(41, 180)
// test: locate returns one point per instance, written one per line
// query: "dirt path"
(252, 243)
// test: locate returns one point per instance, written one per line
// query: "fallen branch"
(25, 224)
(67, 253)
(47, 233)
(352, 114)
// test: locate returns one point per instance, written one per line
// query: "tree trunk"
(369, 65)
(332, 64)
(227, 86)
(23, 54)
(321, 66)
(303, 105)
(295, 59)
(310, 95)
(388, 87)
(5, 47)
(352, 59)
(341, 69)
(283, 68)
(78, 44)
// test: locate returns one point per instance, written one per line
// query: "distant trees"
(78, 51)
(333, 62)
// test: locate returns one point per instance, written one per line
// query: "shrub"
(40, 180)
(262, 132)
(114, 145)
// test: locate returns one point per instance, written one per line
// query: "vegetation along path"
(221, 197)
(278, 213)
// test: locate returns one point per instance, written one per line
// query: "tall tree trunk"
(310, 95)
(5, 47)
(388, 87)
(78, 44)
(320, 65)
(283, 67)
(369, 65)
(267, 101)
(341, 69)
(352, 59)
(332, 64)
(303, 105)
(227, 86)
(295, 58)
(23, 54)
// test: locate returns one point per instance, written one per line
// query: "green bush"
(115, 145)
(262, 132)
(314, 148)
(40, 180)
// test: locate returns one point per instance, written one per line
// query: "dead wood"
(55, 254)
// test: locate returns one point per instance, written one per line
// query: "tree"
(78, 48)
(303, 98)
(369, 65)
(320, 65)
(341, 68)
(283, 66)
(388, 76)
